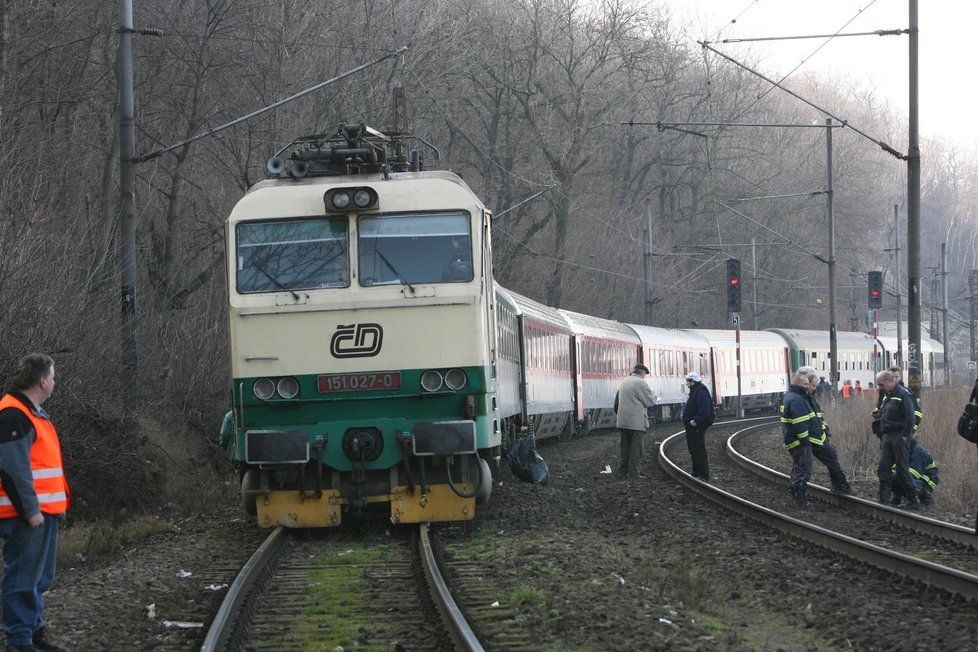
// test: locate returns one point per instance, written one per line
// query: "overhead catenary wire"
(877, 32)
(800, 64)
(270, 107)
(733, 21)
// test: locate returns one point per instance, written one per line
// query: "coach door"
(578, 377)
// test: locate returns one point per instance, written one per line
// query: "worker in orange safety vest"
(33, 500)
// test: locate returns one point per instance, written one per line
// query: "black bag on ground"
(968, 423)
(525, 463)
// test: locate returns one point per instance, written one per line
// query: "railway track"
(301, 590)
(919, 523)
(910, 546)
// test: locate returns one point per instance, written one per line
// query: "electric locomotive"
(362, 341)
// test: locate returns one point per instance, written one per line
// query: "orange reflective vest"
(46, 465)
(846, 391)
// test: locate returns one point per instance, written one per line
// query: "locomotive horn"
(299, 169)
(275, 165)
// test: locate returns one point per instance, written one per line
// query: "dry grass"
(82, 543)
(859, 448)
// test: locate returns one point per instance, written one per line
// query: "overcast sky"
(948, 88)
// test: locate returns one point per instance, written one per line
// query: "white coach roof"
(654, 336)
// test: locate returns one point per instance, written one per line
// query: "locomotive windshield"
(292, 255)
(432, 248)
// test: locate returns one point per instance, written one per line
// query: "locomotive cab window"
(433, 248)
(283, 255)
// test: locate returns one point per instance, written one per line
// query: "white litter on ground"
(607, 470)
(181, 624)
(151, 611)
(216, 587)
(183, 574)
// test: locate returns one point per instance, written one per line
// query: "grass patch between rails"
(335, 616)
(354, 556)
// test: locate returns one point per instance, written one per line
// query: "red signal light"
(876, 293)
(734, 281)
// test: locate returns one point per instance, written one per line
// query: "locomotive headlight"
(455, 379)
(362, 199)
(341, 200)
(288, 387)
(431, 380)
(264, 388)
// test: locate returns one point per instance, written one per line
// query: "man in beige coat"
(635, 397)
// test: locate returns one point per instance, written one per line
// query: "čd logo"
(356, 341)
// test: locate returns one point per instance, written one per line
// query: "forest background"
(520, 96)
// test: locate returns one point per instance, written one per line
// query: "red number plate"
(359, 382)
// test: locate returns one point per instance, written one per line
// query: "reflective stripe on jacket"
(46, 465)
(798, 420)
(823, 428)
(922, 467)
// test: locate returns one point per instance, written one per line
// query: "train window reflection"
(434, 248)
(292, 255)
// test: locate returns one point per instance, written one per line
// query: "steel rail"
(921, 524)
(222, 627)
(929, 573)
(461, 633)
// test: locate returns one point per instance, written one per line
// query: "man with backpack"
(698, 415)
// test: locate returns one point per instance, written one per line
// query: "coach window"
(426, 248)
(284, 255)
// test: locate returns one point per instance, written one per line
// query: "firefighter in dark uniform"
(822, 449)
(798, 425)
(896, 427)
(925, 474)
(918, 411)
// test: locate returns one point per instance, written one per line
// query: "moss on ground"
(338, 598)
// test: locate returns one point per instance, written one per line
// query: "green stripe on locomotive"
(390, 411)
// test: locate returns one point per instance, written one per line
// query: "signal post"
(733, 309)
(875, 300)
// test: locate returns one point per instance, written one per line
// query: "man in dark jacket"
(698, 415)
(822, 449)
(823, 390)
(896, 427)
(798, 424)
(918, 410)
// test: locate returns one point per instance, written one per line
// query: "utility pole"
(934, 289)
(753, 278)
(127, 192)
(946, 339)
(973, 300)
(853, 318)
(833, 326)
(913, 210)
(899, 286)
(649, 295)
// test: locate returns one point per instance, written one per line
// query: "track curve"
(917, 522)
(930, 573)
